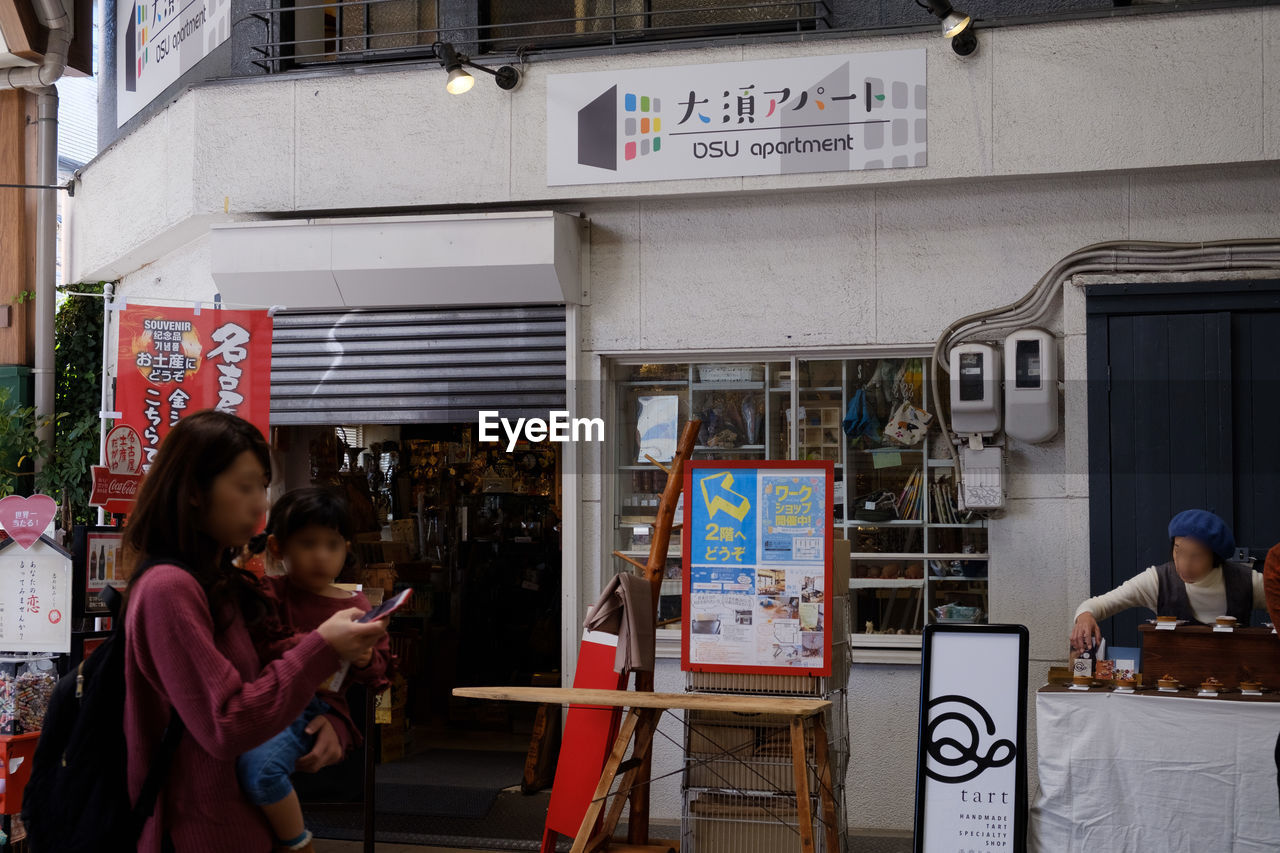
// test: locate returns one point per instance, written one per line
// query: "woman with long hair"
(191, 619)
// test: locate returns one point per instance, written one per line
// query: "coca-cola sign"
(112, 491)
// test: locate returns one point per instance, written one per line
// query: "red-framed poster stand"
(758, 567)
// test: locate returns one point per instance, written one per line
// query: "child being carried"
(310, 531)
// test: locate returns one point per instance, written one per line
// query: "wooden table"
(641, 722)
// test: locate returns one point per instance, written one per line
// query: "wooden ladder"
(639, 769)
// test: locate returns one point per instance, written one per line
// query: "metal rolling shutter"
(416, 365)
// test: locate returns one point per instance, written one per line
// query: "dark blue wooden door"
(1168, 436)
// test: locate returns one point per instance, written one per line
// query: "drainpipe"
(46, 271)
(40, 79)
(54, 17)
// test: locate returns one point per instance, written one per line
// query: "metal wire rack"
(739, 792)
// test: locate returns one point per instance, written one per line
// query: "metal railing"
(365, 31)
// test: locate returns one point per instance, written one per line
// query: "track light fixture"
(506, 76)
(957, 26)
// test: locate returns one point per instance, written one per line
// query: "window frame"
(891, 649)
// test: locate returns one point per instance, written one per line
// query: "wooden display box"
(1192, 653)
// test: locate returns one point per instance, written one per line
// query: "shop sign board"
(98, 560)
(757, 567)
(175, 361)
(35, 597)
(25, 519)
(115, 485)
(971, 775)
(157, 41)
(846, 112)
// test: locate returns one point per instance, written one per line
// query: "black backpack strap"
(158, 774)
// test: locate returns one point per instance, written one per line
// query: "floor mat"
(514, 822)
(457, 768)
(447, 782)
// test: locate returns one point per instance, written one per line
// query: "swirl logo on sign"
(952, 761)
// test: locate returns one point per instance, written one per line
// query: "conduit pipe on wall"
(1121, 256)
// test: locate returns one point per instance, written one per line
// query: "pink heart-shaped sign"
(26, 518)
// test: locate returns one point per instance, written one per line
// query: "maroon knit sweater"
(227, 700)
(301, 612)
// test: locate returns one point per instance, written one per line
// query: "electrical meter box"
(975, 390)
(981, 478)
(1031, 385)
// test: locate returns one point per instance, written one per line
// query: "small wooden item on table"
(1193, 653)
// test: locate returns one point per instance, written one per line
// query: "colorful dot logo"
(614, 124)
(642, 126)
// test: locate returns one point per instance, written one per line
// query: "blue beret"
(1204, 526)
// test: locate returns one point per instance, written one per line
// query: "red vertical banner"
(173, 361)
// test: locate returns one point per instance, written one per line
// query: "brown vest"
(1173, 601)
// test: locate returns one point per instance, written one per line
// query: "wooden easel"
(644, 711)
(653, 570)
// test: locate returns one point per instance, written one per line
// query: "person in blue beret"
(1198, 584)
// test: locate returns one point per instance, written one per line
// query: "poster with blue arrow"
(725, 511)
(757, 566)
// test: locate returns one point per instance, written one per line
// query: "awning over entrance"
(474, 259)
(409, 319)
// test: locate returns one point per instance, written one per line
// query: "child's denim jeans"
(264, 772)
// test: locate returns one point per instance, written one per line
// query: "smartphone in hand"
(386, 608)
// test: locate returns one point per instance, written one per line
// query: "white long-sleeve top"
(1207, 596)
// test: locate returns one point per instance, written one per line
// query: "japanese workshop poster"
(757, 566)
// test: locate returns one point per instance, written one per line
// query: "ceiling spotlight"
(507, 77)
(956, 26)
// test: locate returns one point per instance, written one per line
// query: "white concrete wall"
(1121, 94)
(1143, 113)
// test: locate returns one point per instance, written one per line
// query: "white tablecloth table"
(1155, 773)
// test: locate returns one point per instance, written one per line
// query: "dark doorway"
(1184, 393)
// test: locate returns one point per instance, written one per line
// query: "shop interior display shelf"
(887, 640)
(728, 386)
(897, 522)
(885, 583)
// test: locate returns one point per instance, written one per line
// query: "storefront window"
(916, 559)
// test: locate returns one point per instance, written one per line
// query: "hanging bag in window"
(907, 425)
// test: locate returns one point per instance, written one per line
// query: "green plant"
(18, 437)
(25, 296)
(61, 475)
(78, 399)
